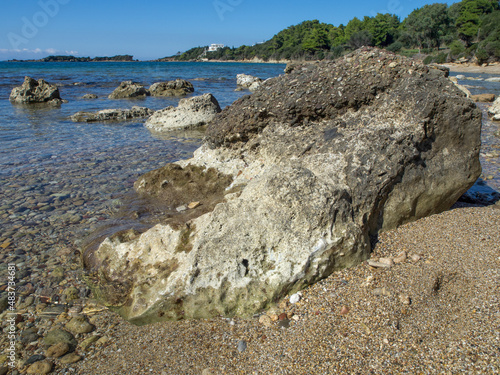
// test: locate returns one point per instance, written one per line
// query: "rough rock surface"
(316, 163)
(129, 89)
(33, 91)
(112, 114)
(494, 110)
(190, 113)
(179, 87)
(247, 81)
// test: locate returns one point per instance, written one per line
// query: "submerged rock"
(190, 113)
(89, 96)
(306, 171)
(33, 91)
(129, 90)
(179, 87)
(113, 114)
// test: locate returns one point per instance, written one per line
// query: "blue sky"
(152, 29)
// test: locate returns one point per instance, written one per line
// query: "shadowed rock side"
(320, 160)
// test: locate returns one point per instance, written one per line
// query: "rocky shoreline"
(394, 318)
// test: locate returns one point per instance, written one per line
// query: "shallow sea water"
(60, 180)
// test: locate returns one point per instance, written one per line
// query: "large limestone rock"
(293, 183)
(179, 87)
(190, 113)
(113, 114)
(33, 91)
(494, 110)
(129, 90)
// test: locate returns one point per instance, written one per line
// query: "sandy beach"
(436, 311)
(466, 68)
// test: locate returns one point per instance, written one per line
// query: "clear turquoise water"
(31, 136)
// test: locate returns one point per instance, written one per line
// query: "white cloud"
(35, 53)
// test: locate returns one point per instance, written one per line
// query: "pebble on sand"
(242, 346)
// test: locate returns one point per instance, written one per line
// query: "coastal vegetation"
(468, 30)
(70, 58)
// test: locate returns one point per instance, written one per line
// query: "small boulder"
(246, 80)
(190, 113)
(33, 91)
(179, 87)
(483, 98)
(57, 336)
(57, 350)
(128, 90)
(70, 358)
(40, 368)
(112, 114)
(79, 324)
(494, 110)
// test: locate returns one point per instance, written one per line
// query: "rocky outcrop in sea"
(113, 114)
(179, 87)
(292, 183)
(189, 114)
(35, 92)
(129, 90)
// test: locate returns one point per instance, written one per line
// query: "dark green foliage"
(468, 28)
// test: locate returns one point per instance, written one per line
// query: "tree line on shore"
(469, 29)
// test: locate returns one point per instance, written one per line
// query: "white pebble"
(294, 298)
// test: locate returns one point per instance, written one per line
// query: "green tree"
(469, 19)
(427, 25)
(383, 28)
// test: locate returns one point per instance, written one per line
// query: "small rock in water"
(70, 358)
(34, 358)
(181, 208)
(294, 298)
(79, 324)
(40, 368)
(242, 346)
(57, 350)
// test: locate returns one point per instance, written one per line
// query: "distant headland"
(61, 58)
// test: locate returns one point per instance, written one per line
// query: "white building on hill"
(215, 47)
